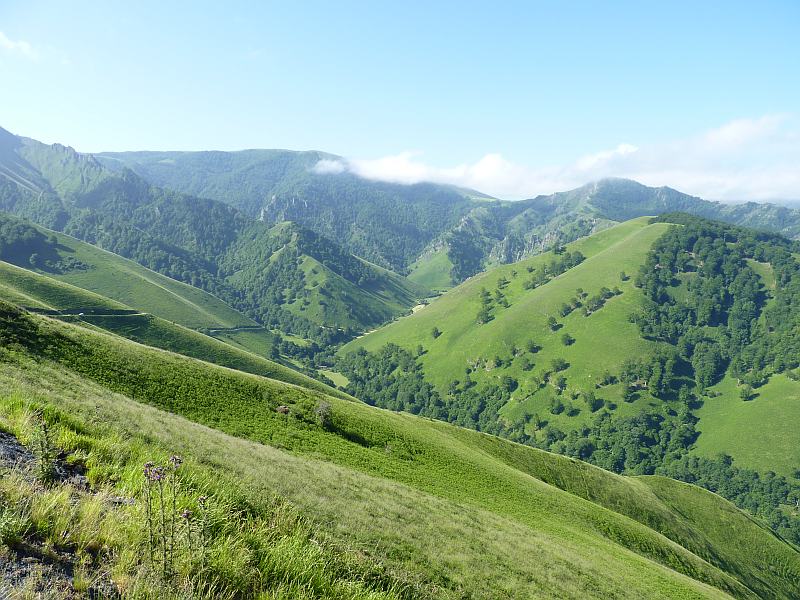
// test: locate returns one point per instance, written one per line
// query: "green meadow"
(26, 288)
(602, 341)
(760, 433)
(131, 284)
(449, 511)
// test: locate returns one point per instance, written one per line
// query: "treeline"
(560, 263)
(25, 246)
(722, 321)
(653, 442)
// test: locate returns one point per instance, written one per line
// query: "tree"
(324, 414)
(593, 402)
(567, 339)
(531, 346)
(435, 332)
(536, 422)
(746, 392)
(552, 323)
(508, 383)
(559, 364)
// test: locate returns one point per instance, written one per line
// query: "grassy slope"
(129, 283)
(26, 288)
(432, 271)
(344, 304)
(473, 513)
(620, 248)
(760, 433)
(330, 297)
(347, 305)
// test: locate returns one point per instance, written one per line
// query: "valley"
(543, 387)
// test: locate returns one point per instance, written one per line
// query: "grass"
(328, 296)
(337, 378)
(463, 341)
(462, 513)
(256, 341)
(333, 301)
(761, 433)
(237, 548)
(131, 284)
(433, 271)
(27, 288)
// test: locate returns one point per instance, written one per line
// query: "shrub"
(324, 414)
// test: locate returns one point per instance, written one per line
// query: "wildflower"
(154, 472)
(176, 461)
(202, 501)
(186, 515)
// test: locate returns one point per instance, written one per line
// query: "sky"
(510, 98)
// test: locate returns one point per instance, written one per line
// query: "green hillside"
(463, 342)
(433, 270)
(314, 281)
(26, 288)
(398, 488)
(645, 348)
(67, 259)
(760, 433)
(258, 270)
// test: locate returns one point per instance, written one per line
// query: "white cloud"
(745, 159)
(18, 47)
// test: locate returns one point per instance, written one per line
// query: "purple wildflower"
(154, 473)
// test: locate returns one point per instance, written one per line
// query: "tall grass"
(137, 526)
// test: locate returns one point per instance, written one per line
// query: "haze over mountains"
(394, 224)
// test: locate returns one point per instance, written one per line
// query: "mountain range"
(320, 349)
(437, 234)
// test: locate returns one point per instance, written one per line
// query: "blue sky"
(513, 98)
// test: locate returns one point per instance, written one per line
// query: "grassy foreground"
(445, 512)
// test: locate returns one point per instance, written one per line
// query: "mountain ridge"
(460, 234)
(195, 240)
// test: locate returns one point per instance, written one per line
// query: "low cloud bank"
(746, 159)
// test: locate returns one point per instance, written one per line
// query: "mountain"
(649, 347)
(285, 276)
(388, 224)
(438, 234)
(160, 312)
(332, 498)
